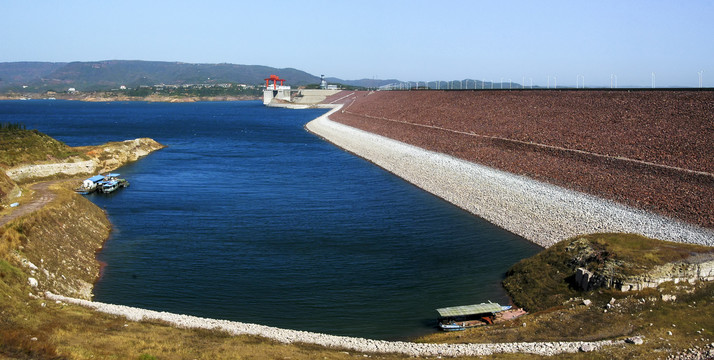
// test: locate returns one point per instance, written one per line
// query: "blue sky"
(408, 40)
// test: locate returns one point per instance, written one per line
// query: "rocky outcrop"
(102, 158)
(691, 271)
(40, 171)
(116, 154)
(595, 270)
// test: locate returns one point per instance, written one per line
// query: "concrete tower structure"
(275, 91)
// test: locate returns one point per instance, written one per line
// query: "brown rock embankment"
(646, 149)
(692, 270)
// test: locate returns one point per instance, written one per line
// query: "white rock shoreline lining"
(539, 212)
(338, 342)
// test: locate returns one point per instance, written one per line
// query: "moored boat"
(451, 327)
(111, 185)
(89, 185)
(459, 318)
(102, 183)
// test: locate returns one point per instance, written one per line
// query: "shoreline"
(541, 213)
(288, 336)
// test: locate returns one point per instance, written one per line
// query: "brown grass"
(31, 146)
(643, 252)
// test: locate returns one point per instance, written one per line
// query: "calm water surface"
(246, 216)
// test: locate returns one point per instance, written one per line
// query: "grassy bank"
(547, 279)
(21, 146)
(60, 240)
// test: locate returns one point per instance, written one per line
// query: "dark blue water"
(246, 216)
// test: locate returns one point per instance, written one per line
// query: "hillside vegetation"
(106, 75)
(21, 146)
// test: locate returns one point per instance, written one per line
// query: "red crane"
(274, 79)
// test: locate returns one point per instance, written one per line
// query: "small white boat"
(110, 186)
(451, 327)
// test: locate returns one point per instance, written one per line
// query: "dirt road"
(42, 196)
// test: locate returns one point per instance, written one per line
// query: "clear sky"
(407, 40)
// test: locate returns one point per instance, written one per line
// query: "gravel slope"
(540, 212)
(651, 150)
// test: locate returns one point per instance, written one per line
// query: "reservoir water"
(246, 216)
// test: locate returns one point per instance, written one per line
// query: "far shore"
(108, 97)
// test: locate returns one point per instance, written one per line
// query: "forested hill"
(106, 75)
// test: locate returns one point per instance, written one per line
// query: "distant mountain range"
(106, 75)
(39, 77)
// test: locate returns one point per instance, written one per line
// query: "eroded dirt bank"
(101, 158)
(51, 231)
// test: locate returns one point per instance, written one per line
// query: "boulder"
(637, 340)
